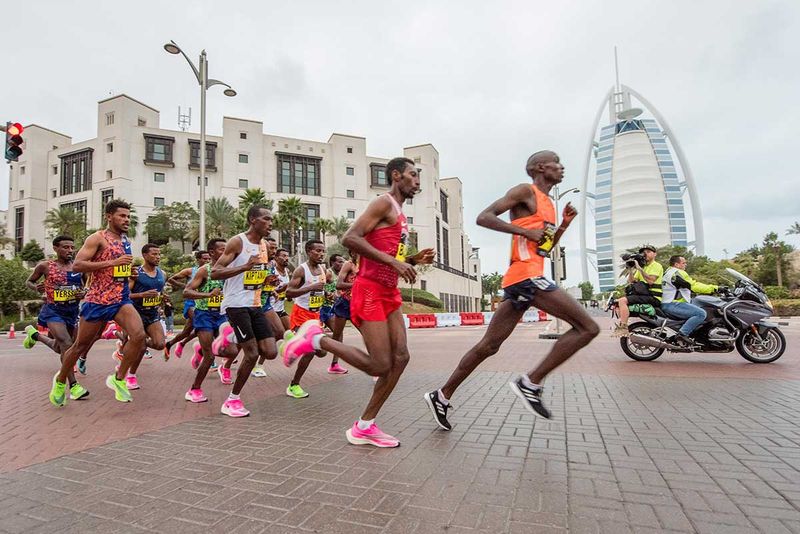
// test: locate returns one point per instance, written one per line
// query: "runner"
(208, 297)
(267, 293)
(379, 236)
(341, 307)
(106, 254)
(62, 288)
(284, 273)
(243, 266)
(307, 290)
(146, 293)
(532, 226)
(175, 281)
(326, 315)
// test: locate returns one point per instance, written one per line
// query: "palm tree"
(794, 229)
(65, 221)
(220, 220)
(292, 215)
(324, 227)
(255, 196)
(339, 226)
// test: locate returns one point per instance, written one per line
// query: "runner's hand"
(423, 257)
(406, 271)
(568, 214)
(533, 235)
(214, 292)
(125, 259)
(150, 293)
(254, 260)
(40, 287)
(319, 286)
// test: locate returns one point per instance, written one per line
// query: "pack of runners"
(235, 302)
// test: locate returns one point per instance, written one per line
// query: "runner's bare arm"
(38, 272)
(567, 215)
(191, 291)
(298, 278)
(175, 279)
(83, 260)
(221, 271)
(490, 217)
(340, 282)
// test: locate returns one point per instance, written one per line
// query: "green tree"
(324, 227)
(66, 221)
(774, 267)
(183, 219)
(13, 290)
(248, 199)
(339, 226)
(157, 226)
(32, 252)
(490, 284)
(421, 269)
(292, 215)
(794, 229)
(220, 220)
(4, 237)
(587, 290)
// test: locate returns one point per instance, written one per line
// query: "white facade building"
(133, 158)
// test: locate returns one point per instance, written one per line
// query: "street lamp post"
(202, 79)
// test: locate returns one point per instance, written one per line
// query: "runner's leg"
(399, 360)
(129, 320)
(88, 332)
(61, 342)
(206, 337)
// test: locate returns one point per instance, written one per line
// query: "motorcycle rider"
(677, 295)
(651, 274)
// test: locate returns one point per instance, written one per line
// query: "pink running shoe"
(371, 436)
(117, 355)
(131, 381)
(234, 408)
(336, 369)
(224, 375)
(110, 331)
(198, 355)
(195, 395)
(221, 342)
(301, 343)
(179, 350)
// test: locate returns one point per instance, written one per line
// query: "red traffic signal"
(15, 128)
(13, 141)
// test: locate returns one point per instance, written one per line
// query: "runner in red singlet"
(533, 221)
(379, 237)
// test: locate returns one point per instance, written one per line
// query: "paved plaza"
(682, 444)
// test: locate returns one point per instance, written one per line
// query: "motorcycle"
(734, 319)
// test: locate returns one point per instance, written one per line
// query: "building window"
(462, 253)
(106, 196)
(474, 269)
(435, 163)
(79, 206)
(53, 193)
(76, 172)
(242, 183)
(206, 180)
(306, 232)
(158, 202)
(158, 149)
(438, 240)
(349, 150)
(159, 177)
(194, 155)
(55, 170)
(21, 194)
(351, 193)
(19, 227)
(351, 214)
(109, 147)
(350, 171)
(109, 118)
(22, 170)
(243, 158)
(141, 122)
(446, 246)
(443, 205)
(378, 175)
(298, 175)
(410, 220)
(418, 160)
(409, 201)
(423, 285)
(109, 175)
(413, 240)
(242, 135)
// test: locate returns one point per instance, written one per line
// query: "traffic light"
(13, 141)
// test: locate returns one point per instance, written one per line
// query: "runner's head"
(336, 261)
(403, 176)
(272, 247)
(151, 254)
(315, 250)
(118, 216)
(202, 257)
(546, 164)
(353, 256)
(282, 257)
(216, 248)
(64, 246)
(260, 220)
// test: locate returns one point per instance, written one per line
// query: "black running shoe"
(439, 409)
(532, 397)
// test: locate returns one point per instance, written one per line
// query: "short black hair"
(148, 247)
(333, 258)
(311, 242)
(212, 243)
(255, 211)
(57, 241)
(272, 239)
(116, 204)
(199, 254)
(675, 259)
(277, 252)
(399, 165)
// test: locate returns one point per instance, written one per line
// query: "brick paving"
(665, 446)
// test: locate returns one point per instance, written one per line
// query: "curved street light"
(201, 74)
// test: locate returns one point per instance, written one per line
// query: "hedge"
(422, 297)
(786, 307)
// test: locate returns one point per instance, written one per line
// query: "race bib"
(63, 295)
(402, 252)
(215, 302)
(151, 302)
(122, 272)
(255, 277)
(315, 302)
(282, 296)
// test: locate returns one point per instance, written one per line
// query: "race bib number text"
(122, 272)
(151, 302)
(315, 302)
(63, 295)
(214, 302)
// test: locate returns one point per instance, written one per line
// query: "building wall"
(118, 163)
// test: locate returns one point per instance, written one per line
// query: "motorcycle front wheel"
(769, 349)
(640, 353)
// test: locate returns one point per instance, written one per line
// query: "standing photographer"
(644, 286)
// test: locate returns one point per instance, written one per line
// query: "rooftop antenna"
(184, 120)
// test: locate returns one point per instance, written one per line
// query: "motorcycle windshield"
(739, 276)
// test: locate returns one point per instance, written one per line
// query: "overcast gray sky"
(487, 83)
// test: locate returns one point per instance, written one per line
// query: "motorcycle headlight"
(769, 304)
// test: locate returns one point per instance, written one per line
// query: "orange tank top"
(525, 262)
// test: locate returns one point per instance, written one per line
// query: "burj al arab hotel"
(636, 183)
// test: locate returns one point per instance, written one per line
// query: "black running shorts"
(522, 293)
(249, 323)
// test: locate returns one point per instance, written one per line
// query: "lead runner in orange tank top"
(533, 233)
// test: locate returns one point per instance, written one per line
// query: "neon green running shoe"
(78, 392)
(58, 393)
(120, 388)
(288, 334)
(296, 391)
(29, 342)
